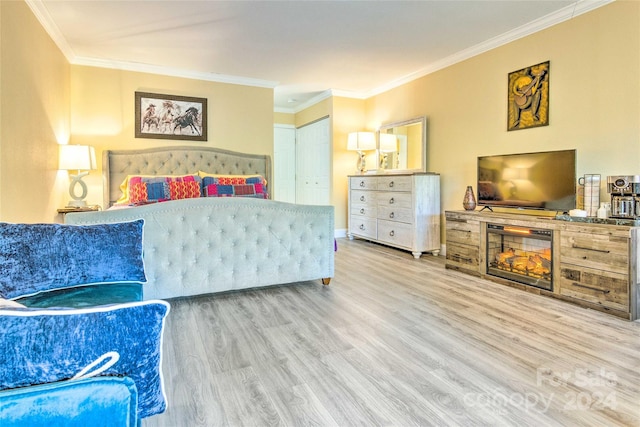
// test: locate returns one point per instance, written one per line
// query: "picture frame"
(161, 116)
(528, 97)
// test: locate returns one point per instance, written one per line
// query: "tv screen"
(543, 180)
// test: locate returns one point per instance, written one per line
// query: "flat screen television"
(543, 180)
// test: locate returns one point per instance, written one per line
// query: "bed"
(204, 245)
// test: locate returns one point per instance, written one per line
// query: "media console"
(591, 264)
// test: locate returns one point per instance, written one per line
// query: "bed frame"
(216, 244)
(117, 164)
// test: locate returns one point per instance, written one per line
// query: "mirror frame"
(422, 120)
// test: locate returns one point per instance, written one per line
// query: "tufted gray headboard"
(117, 164)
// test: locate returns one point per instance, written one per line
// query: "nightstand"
(69, 209)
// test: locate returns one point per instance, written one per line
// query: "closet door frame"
(313, 162)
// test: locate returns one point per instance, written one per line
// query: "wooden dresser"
(594, 265)
(399, 210)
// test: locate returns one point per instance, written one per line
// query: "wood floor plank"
(396, 341)
(185, 365)
(245, 400)
(299, 406)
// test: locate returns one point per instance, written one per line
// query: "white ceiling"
(303, 49)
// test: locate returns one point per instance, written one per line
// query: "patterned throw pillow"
(138, 190)
(184, 190)
(234, 186)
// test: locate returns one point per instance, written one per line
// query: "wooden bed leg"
(326, 280)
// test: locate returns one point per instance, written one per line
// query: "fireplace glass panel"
(520, 254)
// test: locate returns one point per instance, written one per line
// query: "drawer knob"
(391, 201)
(362, 198)
(392, 233)
(362, 211)
(361, 227)
(361, 183)
(391, 184)
(391, 215)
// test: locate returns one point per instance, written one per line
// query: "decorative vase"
(469, 201)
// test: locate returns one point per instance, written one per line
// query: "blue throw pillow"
(72, 404)
(40, 257)
(45, 346)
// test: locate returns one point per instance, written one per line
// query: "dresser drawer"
(363, 198)
(363, 227)
(396, 200)
(394, 183)
(600, 251)
(395, 233)
(396, 214)
(367, 211)
(605, 288)
(363, 183)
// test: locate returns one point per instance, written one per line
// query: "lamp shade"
(361, 141)
(388, 143)
(76, 157)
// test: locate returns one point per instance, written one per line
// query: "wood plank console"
(594, 265)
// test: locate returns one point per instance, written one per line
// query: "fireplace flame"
(536, 263)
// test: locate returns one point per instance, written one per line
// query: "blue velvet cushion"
(40, 257)
(45, 346)
(103, 401)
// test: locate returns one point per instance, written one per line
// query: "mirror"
(402, 146)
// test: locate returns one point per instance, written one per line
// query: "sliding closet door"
(313, 163)
(284, 163)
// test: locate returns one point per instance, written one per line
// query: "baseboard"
(342, 233)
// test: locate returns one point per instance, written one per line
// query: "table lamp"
(78, 158)
(361, 142)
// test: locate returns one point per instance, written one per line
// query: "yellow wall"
(594, 101)
(240, 118)
(348, 114)
(45, 101)
(315, 112)
(35, 118)
(284, 118)
(594, 107)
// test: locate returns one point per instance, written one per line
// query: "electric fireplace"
(520, 254)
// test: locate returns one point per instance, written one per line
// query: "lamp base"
(362, 165)
(78, 200)
(77, 204)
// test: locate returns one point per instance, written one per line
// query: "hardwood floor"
(396, 341)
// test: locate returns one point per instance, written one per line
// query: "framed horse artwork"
(170, 117)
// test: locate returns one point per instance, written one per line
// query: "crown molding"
(284, 110)
(173, 72)
(45, 19)
(564, 14)
(308, 103)
(42, 15)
